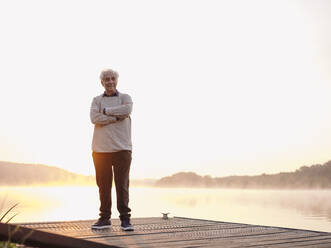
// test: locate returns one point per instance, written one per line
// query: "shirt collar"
(105, 95)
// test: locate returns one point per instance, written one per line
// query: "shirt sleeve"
(97, 117)
(124, 109)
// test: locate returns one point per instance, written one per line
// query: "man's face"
(109, 82)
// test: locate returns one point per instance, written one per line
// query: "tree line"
(306, 177)
(28, 174)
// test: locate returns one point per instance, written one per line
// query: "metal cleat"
(165, 216)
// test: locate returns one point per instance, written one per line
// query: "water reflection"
(304, 209)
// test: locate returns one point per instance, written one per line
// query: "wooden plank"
(186, 232)
(297, 239)
(31, 237)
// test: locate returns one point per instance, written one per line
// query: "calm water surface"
(304, 209)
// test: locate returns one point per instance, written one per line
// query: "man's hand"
(121, 117)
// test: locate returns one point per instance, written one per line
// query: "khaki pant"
(106, 165)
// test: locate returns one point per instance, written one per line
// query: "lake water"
(303, 209)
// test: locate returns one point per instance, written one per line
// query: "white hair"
(108, 72)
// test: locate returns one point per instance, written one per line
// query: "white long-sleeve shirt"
(110, 133)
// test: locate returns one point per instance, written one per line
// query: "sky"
(230, 87)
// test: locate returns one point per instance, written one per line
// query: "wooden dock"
(186, 232)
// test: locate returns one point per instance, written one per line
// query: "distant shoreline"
(312, 177)
(305, 178)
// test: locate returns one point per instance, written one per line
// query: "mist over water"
(303, 209)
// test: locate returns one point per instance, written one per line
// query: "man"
(111, 145)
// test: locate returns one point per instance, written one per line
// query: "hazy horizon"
(155, 178)
(306, 177)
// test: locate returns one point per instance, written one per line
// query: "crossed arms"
(111, 114)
